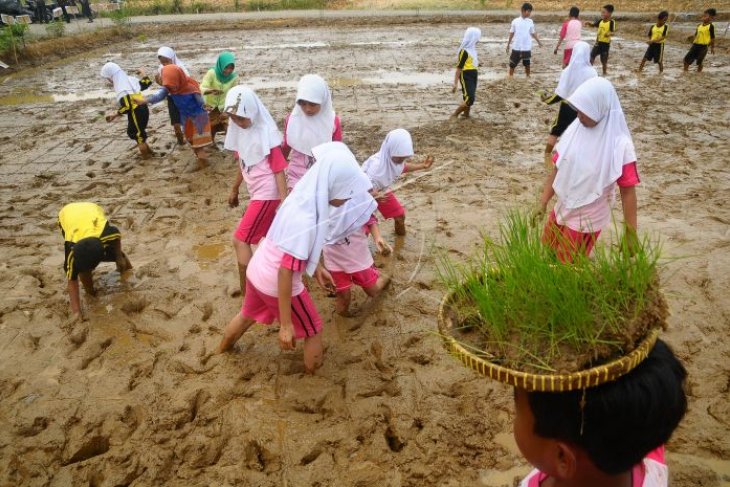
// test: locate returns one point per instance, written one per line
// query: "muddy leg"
(462, 108)
(202, 155)
(400, 225)
(179, 134)
(233, 332)
(342, 302)
(379, 285)
(243, 257)
(313, 353)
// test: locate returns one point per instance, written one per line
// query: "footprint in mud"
(94, 352)
(134, 305)
(31, 342)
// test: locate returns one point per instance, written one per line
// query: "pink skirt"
(256, 221)
(265, 310)
(566, 242)
(365, 278)
(390, 207)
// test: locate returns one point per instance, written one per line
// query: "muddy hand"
(233, 199)
(428, 162)
(324, 278)
(286, 337)
(383, 247)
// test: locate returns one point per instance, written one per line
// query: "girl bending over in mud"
(293, 245)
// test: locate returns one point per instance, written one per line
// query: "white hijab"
(469, 43)
(123, 84)
(578, 71)
(169, 53)
(304, 132)
(380, 167)
(592, 159)
(302, 223)
(254, 143)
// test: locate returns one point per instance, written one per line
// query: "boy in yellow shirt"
(657, 36)
(704, 39)
(88, 240)
(606, 28)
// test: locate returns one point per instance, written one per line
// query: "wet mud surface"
(132, 396)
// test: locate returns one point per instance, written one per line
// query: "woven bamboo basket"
(541, 382)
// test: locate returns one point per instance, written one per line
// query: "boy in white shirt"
(522, 31)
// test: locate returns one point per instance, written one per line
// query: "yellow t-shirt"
(604, 27)
(81, 220)
(656, 33)
(705, 34)
(465, 61)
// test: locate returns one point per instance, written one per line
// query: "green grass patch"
(523, 308)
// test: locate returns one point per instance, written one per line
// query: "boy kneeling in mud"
(88, 240)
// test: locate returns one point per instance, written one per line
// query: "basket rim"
(531, 382)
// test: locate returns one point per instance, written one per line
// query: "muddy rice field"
(132, 395)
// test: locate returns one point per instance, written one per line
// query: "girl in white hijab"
(293, 246)
(579, 71)
(128, 92)
(256, 143)
(466, 71)
(385, 167)
(166, 55)
(312, 122)
(595, 154)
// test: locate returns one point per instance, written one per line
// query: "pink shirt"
(570, 31)
(298, 162)
(351, 254)
(651, 472)
(595, 216)
(260, 179)
(263, 269)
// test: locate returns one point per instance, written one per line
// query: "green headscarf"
(224, 59)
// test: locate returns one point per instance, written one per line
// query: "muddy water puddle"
(31, 98)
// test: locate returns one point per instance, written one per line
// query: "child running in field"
(293, 246)
(312, 122)
(256, 143)
(166, 55)
(610, 435)
(466, 71)
(348, 259)
(385, 167)
(185, 94)
(522, 31)
(606, 28)
(570, 33)
(657, 35)
(704, 40)
(578, 71)
(129, 91)
(215, 85)
(595, 154)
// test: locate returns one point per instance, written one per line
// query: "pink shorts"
(365, 278)
(566, 56)
(390, 207)
(256, 221)
(265, 310)
(567, 242)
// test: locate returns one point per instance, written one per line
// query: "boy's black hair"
(574, 12)
(88, 252)
(622, 421)
(527, 6)
(609, 7)
(711, 12)
(663, 14)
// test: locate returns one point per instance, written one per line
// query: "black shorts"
(696, 53)
(469, 86)
(655, 52)
(600, 49)
(517, 56)
(110, 255)
(566, 116)
(173, 111)
(137, 120)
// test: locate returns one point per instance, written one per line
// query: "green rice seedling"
(538, 314)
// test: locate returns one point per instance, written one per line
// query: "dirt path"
(131, 398)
